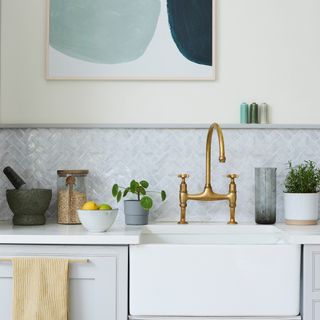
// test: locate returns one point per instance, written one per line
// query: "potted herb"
(137, 210)
(301, 196)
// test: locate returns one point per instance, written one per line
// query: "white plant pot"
(301, 208)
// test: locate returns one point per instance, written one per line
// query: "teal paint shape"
(191, 28)
(103, 31)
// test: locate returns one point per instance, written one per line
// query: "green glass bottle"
(254, 113)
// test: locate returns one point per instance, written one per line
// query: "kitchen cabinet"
(311, 282)
(98, 289)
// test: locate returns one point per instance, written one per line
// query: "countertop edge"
(55, 234)
(66, 240)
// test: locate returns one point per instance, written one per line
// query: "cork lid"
(78, 173)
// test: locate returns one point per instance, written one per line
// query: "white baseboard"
(212, 318)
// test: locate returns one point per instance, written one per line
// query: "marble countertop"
(53, 233)
(301, 234)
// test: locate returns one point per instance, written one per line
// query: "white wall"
(267, 51)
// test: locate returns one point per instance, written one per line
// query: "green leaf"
(125, 192)
(115, 189)
(303, 178)
(142, 190)
(144, 183)
(119, 196)
(133, 186)
(163, 195)
(146, 202)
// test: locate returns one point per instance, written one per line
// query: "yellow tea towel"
(40, 289)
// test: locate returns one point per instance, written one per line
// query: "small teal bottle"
(244, 113)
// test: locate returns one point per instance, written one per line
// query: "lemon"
(90, 205)
(105, 206)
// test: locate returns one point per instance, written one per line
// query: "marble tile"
(158, 155)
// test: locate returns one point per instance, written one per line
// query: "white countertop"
(301, 234)
(53, 233)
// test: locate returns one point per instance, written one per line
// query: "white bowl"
(97, 220)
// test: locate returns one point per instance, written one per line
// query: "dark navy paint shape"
(191, 28)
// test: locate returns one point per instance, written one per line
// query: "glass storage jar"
(71, 194)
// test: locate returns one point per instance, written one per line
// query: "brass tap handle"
(183, 197)
(233, 197)
(183, 175)
(233, 176)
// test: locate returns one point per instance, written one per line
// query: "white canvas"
(161, 60)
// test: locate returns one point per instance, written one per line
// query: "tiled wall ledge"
(161, 126)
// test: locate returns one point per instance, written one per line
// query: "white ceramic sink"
(214, 270)
(211, 234)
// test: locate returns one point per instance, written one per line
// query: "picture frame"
(156, 55)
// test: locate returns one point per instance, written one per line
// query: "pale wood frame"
(161, 78)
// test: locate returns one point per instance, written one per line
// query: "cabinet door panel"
(316, 309)
(311, 282)
(5, 296)
(92, 290)
(315, 260)
(98, 290)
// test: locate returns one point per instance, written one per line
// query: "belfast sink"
(211, 234)
(214, 270)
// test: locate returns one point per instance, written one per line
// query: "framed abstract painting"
(131, 39)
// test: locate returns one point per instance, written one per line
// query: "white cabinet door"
(311, 282)
(98, 289)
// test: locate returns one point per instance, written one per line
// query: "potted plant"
(301, 196)
(136, 210)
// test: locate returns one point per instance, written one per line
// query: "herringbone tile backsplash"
(158, 155)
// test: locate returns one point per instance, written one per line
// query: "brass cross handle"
(183, 175)
(232, 185)
(233, 176)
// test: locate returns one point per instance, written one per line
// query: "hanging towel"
(40, 289)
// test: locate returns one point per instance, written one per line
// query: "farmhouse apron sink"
(214, 270)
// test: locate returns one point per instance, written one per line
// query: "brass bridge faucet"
(208, 194)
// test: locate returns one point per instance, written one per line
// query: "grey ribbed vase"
(134, 213)
(265, 195)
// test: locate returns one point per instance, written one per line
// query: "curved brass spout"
(208, 194)
(222, 157)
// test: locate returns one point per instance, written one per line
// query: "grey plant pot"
(134, 213)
